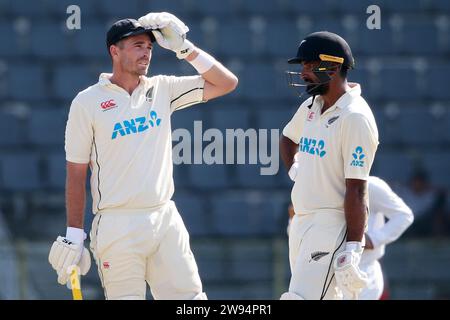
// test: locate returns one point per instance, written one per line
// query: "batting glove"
(67, 252)
(169, 31)
(349, 278)
(293, 170)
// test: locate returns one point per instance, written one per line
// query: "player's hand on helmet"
(66, 252)
(294, 168)
(161, 20)
(169, 31)
(349, 278)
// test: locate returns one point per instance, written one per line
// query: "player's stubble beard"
(134, 67)
(315, 89)
(141, 70)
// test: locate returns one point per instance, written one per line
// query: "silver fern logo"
(317, 255)
(331, 120)
(149, 95)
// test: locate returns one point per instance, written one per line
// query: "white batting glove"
(169, 31)
(160, 20)
(293, 170)
(349, 278)
(66, 252)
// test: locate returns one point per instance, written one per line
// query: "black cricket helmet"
(330, 49)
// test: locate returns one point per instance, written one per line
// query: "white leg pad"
(290, 296)
(200, 296)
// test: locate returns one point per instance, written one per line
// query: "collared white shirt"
(384, 204)
(126, 139)
(336, 145)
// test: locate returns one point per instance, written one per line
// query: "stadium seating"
(55, 46)
(251, 262)
(437, 165)
(418, 126)
(234, 38)
(11, 130)
(232, 212)
(68, 80)
(210, 260)
(208, 176)
(252, 214)
(20, 171)
(393, 166)
(434, 76)
(47, 126)
(116, 9)
(91, 44)
(27, 82)
(193, 212)
(56, 166)
(10, 46)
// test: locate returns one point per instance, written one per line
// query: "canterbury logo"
(316, 256)
(107, 104)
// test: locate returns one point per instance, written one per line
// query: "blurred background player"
(336, 137)
(43, 65)
(121, 129)
(388, 219)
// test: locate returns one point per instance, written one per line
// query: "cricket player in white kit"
(336, 137)
(120, 128)
(388, 219)
(383, 204)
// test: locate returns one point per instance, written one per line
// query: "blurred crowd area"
(237, 219)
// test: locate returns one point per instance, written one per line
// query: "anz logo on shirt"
(358, 157)
(136, 125)
(312, 146)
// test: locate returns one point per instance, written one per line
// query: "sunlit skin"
(131, 59)
(336, 87)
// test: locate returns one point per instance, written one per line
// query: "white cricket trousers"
(132, 247)
(314, 241)
(374, 289)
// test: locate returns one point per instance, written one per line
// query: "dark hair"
(118, 44)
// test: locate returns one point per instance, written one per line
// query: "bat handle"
(74, 279)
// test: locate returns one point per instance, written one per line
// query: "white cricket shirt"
(127, 139)
(336, 145)
(384, 203)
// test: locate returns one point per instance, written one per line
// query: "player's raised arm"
(170, 33)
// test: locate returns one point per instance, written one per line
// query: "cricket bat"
(74, 279)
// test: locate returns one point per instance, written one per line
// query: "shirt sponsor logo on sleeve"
(358, 157)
